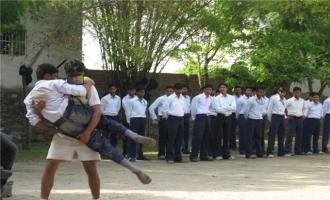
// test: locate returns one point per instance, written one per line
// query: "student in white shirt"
(137, 119)
(110, 107)
(312, 125)
(175, 113)
(186, 120)
(159, 106)
(296, 110)
(200, 109)
(224, 104)
(326, 125)
(264, 120)
(232, 144)
(254, 116)
(214, 147)
(276, 115)
(241, 121)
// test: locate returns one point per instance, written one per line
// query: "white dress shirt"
(255, 108)
(296, 107)
(315, 110)
(174, 106)
(264, 113)
(54, 93)
(225, 105)
(110, 105)
(200, 105)
(136, 107)
(276, 106)
(241, 105)
(212, 111)
(326, 106)
(186, 104)
(124, 104)
(160, 105)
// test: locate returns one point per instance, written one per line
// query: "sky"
(92, 53)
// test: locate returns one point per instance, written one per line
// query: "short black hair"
(248, 87)
(281, 88)
(139, 87)
(112, 85)
(178, 86)
(222, 84)
(130, 87)
(208, 86)
(237, 86)
(74, 67)
(45, 68)
(314, 94)
(260, 88)
(297, 89)
(185, 86)
(168, 87)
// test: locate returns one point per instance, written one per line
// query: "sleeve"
(217, 106)
(153, 107)
(232, 107)
(32, 117)
(118, 104)
(166, 107)
(193, 108)
(129, 108)
(70, 89)
(103, 104)
(238, 107)
(305, 109)
(326, 106)
(248, 107)
(93, 97)
(270, 108)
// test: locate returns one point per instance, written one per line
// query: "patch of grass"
(35, 153)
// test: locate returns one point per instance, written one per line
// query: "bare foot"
(147, 141)
(144, 178)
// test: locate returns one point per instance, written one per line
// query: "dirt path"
(295, 178)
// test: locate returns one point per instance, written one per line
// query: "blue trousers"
(162, 137)
(223, 134)
(242, 128)
(138, 125)
(233, 125)
(186, 127)
(295, 128)
(311, 128)
(254, 137)
(174, 138)
(200, 137)
(326, 131)
(277, 127)
(113, 136)
(214, 147)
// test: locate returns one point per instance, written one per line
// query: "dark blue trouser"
(242, 128)
(277, 127)
(214, 147)
(311, 128)
(326, 131)
(8, 154)
(200, 137)
(186, 127)
(263, 127)
(233, 125)
(162, 136)
(174, 138)
(223, 134)
(295, 127)
(113, 136)
(138, 125)
(101, 144)
(254, 137)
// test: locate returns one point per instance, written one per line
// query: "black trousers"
(232, 144)
(186, 127)
(276, 128)
(200, 137)
(326, 131)
(223, 134)
(138, 125)
(113, 136)
(295, 128)
(174, 138)
(162, 136)
(8, 154)
(214, 144)
(242, 130)
(254, 137)
(311, 128)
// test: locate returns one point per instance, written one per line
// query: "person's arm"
(166, 107)
(232, 106)
(248, 107)
(71, 89)
(85, 135)
(193, 108)
(270, 108)
(326, 106)
(152, 109)
(217, 106)
(103, 104)
(118, 105)
(129, 109)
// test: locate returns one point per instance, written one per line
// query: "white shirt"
(255, 108)
(186, 104)
(241, 105)
(110, 105)
(296, 107)
(314, 110)
(225, 105)
(326, 106)
(212, 111)
(124, 103)
(160, 105)
(136, 108)
(200, 105)
(175, 105)
(266, 105)
(276, 106)
(54, 93)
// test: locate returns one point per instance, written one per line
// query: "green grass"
(35, 153)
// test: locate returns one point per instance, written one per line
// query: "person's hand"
(84, 137)
(290, 117)
(88, 84)
(38, 106)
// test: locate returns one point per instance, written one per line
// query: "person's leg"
(316, 135)
(47, 180)
(172, 132)
(299, 137)
(288, 139)
(142, 132)
(93, 177)
(263, 127)
(281, 135)
(205, 143)
(232, 144)
(178, 140)
(197, 136)
(326, 131)
(114, 135)
(249, 138)
(131, 144)
(242, 133)
(259, 149)
(271, 137)
(220, 132)
(8, 152)
(186, 133)
(226, 138)
(162, 135)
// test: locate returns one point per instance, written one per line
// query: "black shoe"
(144, 158)
(250, 157)
(161, 157)
(131, 159)
(193, 160)
(179, 161)
(206, 159)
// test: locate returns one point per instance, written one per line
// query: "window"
(13, 43)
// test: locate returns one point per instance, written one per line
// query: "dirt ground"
(294, 178)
